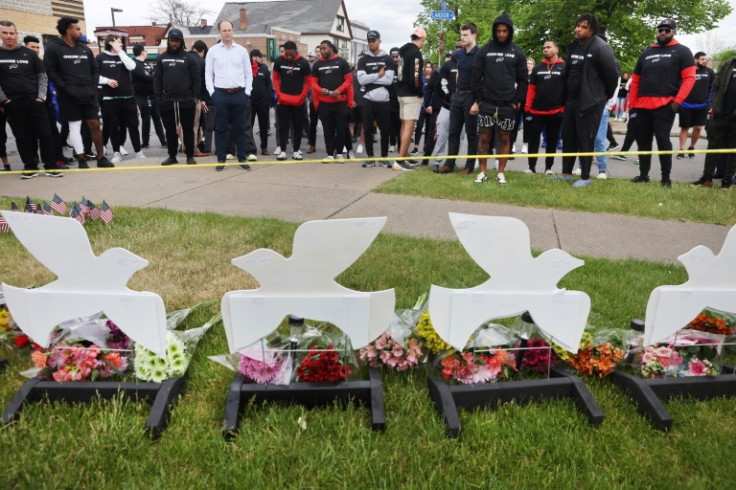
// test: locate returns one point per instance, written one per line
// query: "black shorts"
(72, 111)
(693, 117)
(503, 117)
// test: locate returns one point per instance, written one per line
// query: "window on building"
(340, 23)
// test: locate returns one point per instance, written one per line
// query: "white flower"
(302, 423)
(159, 375)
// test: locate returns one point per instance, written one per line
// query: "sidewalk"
(304, 192)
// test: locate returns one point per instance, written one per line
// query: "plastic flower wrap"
(400, 347)
(714, 321)
(686, 353)
(323, 357)
(425, 329)
(599, 352)
(180, 347)
(535, 352)
(483, 360)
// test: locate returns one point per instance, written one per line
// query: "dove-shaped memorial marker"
(518, 283)
(85, 284)
(304, 285)
(711, 283)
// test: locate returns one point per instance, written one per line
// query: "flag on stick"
(30, 207)
(4, 227)
(94, 211)
(77, 213)
(58, 205)
(106, 213)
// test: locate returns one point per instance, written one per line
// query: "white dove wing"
(728, 250)
(496, 243)
(60, 244)
(328, 247)
(141, 315)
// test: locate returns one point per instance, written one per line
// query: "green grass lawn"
(616, 196)
(546, 444)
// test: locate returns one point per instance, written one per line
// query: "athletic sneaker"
(123, 151)
(401, 166)
(391, 148)
(525, 148)
(328, 159)
(297, 155)
(140, 155)
(229, 157)
(601, 175)
(104, 163)
(51, 173)
(577, 171)
(386, 164)
(680, 156)
(690, 155)
(277, 150)
(640, 179)
(414, 152)
(170, 161)
(623, 158)
(252, 157)
(117, 157)
(481, 178)
(704, 182)
(339, 158)
(549, 172)
(581, 183)
(29, 175)
(368, 164)
(726, 184)
(529, 171)
(500, 178)
(244, 166)
(191, 161)
(359, 150)
(281, 156)
(613, 147)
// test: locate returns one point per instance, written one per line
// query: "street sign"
(442, 15)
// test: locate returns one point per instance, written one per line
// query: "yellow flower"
(426, 330)
(6, 321)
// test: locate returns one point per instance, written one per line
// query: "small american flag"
(77, 213)
(106, 213)
(84, 206)
(94, 211)
(4, 227)
(58, 205)
(47, 209)
(14, 207)
(30, 207)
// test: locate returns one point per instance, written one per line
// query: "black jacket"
(411, 66)
(22, 74)
(111, 66)
(726, 75)
(600, 75)
(262, 87)
(446, 84)
(142, 78)
(177, 76)
(73, 70)
(499, 71)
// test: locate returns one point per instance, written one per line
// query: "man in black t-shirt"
(694, 111)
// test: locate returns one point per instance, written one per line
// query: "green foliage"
(724, 56)
(629, 24)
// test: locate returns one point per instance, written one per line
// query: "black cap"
(394, 50)
(176, 34)
(668, 23)
(256, 52)
(373, 35)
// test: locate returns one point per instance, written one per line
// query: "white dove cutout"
(84, 286)
(304, 285)
(711, 283)
(518, 283)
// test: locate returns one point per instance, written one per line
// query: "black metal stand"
(38, 389)
(560, 385)
(3, 364)
(647, 393)
(308, 394)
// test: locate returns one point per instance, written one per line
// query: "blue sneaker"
(562, 177)
(581, 183)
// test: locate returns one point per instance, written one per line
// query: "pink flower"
(381, 341)
(397, 351)
(385, 356)
(663, 352)
(62, 375)
(676, 359)
(698, 368)
(647, 357)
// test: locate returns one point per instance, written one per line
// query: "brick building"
(39, 17)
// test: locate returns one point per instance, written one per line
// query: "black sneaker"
(51, 173)
(368, 164)
(7, 168)
(640, 178)
(680, 156)
(666, 183)
(103, 162)
(29, 174)
(83, 164)
(244, 166)
(690, 155)
(170, 161)
(703, 182)
(414, 152)
(219, 168)
(726, 184)
(191, 161)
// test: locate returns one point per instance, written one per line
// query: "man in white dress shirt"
(229, 80)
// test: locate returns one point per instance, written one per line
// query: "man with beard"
(292, 80)
(694, 110)
(499, 90)
(544, 105)
(590, 81)
(375, 73)
(23, 85)
(663, 77)
(71, 66)
(176, 83)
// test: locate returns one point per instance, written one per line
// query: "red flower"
(22, 340)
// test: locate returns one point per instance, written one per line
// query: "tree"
(178, 12)
(628, 24)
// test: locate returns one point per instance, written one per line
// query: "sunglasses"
(665, 30)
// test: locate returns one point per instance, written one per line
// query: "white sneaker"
(500, 178)
(277, 150)
(281, 156)
(495, 165)
(481, 178)
(116, 158)
(339, 158)
(549, 172)
(577, 171)
(297, 155)
(252, 157)
(123, 151)
(351, 155)
(328, 159)
(601, 175)
(391, 148)
(525, 148)
(140, 155)
(359, 150)
(528, 171)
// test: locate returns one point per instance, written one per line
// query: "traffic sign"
(442, 15)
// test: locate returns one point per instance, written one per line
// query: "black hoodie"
(176, 76)
(499, 71)
(411, 66)
(73, 70)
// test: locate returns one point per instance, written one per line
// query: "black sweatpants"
(334, 117)
(289, 116)
(533, 126)
(174, 113)
(121, 112)
(721, 134)
(654, 123)
(260, 109)
(29, 121)
(578, 136)
(380, 112)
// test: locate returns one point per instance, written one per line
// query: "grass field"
(614, 196)
(542, 445)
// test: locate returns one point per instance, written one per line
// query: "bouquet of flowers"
(484, 358)
(686, 353)
(433, 341)
(537, 356)
(180, 347)
(598, 354)
(714, 321)
(323, 357)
